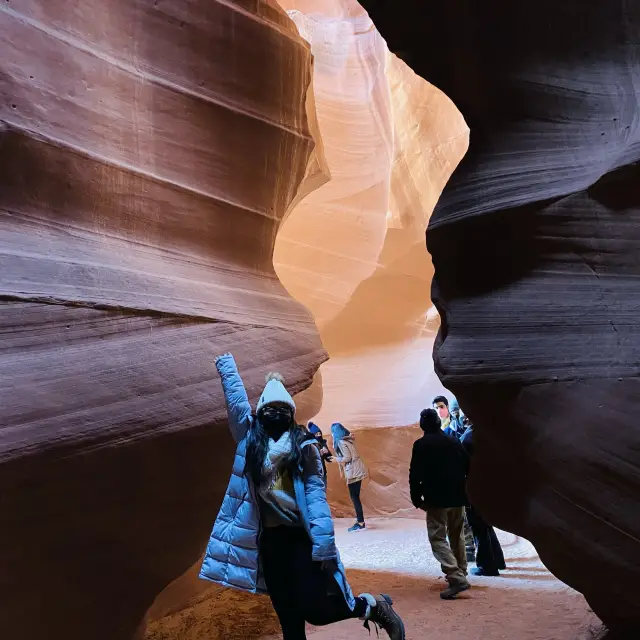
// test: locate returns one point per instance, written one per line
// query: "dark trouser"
(489, 554)
(354, 492)
(469, 541)
(300, 589)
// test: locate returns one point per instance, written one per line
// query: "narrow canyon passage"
(380, 202)
(393, 555)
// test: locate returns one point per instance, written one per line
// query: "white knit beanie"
(274, 391)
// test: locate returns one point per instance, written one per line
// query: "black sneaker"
(452, 591)
(382, 615)
(358, 527)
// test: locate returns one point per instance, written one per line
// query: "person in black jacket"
(437, 478)
(489, 555)
(323, 447)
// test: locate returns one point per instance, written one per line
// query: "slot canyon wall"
(389, 142)
(536, 247)
(148, 151)
(353, 250)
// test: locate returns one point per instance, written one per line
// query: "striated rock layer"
(536, 247)
(148, 152)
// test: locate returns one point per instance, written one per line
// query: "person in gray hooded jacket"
(352, 469)
(274, 533)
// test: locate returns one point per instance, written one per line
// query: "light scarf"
(277, 489)
(277, 451)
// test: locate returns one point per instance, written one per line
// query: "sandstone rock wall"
(536, 247)
(148, 152)
(353, 251)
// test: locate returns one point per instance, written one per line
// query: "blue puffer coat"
(232, 558)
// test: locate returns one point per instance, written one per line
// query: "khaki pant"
(450, 554)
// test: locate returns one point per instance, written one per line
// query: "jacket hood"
(314, 428)
(339, 431)
(454, 406)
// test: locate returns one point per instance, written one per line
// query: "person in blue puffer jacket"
(274, 533)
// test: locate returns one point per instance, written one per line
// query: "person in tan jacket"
(352, 469)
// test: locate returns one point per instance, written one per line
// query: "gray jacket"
(232, 558)
(351, 464)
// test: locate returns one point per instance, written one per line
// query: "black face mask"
(276, 422)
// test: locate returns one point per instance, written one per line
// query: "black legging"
(489, 554)
(300, 589)
(354, 492)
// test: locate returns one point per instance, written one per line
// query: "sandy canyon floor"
(393, 556)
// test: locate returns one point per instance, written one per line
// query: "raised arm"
(235, 395)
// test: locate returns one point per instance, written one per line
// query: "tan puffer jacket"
(352, 467)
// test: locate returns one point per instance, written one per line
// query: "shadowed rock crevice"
(536, 243)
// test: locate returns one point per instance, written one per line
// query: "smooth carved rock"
(536, 247)
(353, 250)
(148, 152)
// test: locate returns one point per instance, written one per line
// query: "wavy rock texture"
(536, 245)
(353, 250)
(389, 142)
(148, 153)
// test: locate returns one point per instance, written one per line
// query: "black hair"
(257, 443)
(429, 420)
(441, 399)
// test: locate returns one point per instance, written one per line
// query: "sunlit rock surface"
(353, 250)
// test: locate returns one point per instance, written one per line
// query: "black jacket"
(438, 472)
(467, 441)
(325, 454)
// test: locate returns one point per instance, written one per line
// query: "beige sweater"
(351, 465)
